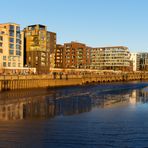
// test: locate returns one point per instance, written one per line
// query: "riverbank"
(12, 82)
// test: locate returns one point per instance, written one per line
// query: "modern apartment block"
(39, 44)
(143, 61)
(97, 58)
(11, 46)
(110, 58)
(135, 58)
(76, 55)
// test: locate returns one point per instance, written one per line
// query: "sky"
(96, 23)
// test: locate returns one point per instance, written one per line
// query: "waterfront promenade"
(12, 82)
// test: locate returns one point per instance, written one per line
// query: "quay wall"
(12, 82)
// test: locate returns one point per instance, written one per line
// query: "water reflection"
(43, 107)
(27, 104)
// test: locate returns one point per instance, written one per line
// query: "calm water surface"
(91, 116)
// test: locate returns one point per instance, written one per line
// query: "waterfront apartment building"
(135, 58)
(76, 56)
(39, 45)
(110, 58)
(11, 46)
(97, 58)
(143, 61)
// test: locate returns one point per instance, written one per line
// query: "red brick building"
(76, 55)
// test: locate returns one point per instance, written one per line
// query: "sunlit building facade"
(110, 58)
(76, 55)
(11, 46)
(143, 61)
(135, 58)
(39, 45)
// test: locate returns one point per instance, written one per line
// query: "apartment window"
(1, 50)
(11, 40)
(11, 33)
(1, 38)
(18, 52)
(11, 46)
(4, 64)
(2, 32)
(1, 44)
(17, 46)
(17, 41)
(9, 58)
(11, 52)
(17, 28)
(11, 27)
(4, 57)
(18, 35)
(9, 64)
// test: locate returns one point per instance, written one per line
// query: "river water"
(90, 116)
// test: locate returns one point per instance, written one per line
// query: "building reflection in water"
(43, 107)
(126, 97)
(49, 106)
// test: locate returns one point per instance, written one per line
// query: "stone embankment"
(12, 82)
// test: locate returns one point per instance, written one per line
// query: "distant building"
(39, 45)
(76, 55)
(143, 61)
(11, 46)
(135, 58)
(110, 58)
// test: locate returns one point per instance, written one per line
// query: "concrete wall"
(37, 81)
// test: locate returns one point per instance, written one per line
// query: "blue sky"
(94, 22)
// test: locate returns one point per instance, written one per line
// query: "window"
(9, 64)
(11, 33)
(2, 32)
(1, 50)
(17, 41)
(4, 64)
(11, 46)
(11, 40)
(11, 27)
(18, 35)
(17, 46)
(9, 58)
(4, 57)
(18, 52)
(11, 52)
(1, 44)
(1, 38)
(17, 28)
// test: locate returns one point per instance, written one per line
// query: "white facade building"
(135, 58)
